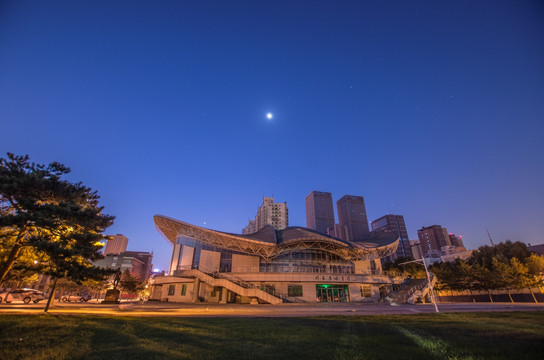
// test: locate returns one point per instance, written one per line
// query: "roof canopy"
(268, 243)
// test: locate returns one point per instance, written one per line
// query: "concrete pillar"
(196, 289)
(224, 293)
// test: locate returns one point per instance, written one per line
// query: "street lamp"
(417, 261)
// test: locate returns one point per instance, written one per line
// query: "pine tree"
(58, 221)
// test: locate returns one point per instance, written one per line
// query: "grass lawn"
(491, 335)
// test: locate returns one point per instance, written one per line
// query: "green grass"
(509, 335)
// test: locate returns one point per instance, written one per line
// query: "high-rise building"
(396, 224)
(338, 231)
(352, 215)
(269, 213)
(319, 211)
(433, 238)
(456, 240)
(250, 228)
(116, 245)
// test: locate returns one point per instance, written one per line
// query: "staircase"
(410, 291)
(239, 287)
(246, 284)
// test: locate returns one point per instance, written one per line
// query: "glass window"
(366, 291)
(294, 290)
(183, 289)
(171, 289)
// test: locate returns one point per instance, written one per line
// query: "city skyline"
(199, 110)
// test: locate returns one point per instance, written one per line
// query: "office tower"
(352, 215)
(319, 211)
(396, 224)
(269, 213)
(432, 238)
(116, 245)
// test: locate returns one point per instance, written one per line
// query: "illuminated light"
(269, 116)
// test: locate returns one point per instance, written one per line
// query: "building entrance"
(332, 293)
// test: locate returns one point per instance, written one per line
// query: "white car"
(80, 298)
(25, 295)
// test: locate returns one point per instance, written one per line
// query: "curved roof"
(269, 243)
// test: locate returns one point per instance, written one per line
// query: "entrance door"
(331, 293)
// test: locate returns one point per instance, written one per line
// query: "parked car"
(78, 297)
(25, 295)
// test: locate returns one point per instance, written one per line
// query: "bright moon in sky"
(269, 116)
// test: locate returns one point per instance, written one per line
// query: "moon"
(269, 116)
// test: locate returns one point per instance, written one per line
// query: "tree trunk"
(533, 294)
(13, 255)
(51, 295)
(510, 295)
(490, 297)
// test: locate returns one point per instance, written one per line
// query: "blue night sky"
(429, 109)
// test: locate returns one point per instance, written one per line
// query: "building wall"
(396, 224)
(319, 211)
(352, 215)
(177, 297)
(116, 245)
(245, 263)
(368, 267)
(433, 238)
(269, 213)
(175, 259)
(186, 259)
(209, 261)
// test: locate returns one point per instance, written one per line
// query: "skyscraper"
(319, 211)
(352, 215)
(433, 238)
(269, 213)
(116, 245)
(396, 224)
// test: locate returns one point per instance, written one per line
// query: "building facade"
(269, 213)
(138, 263)
(352, 216)
(396, 224)
(432, 239)
(116, 245)
(294, 264)
(456, 240)
(319, 211)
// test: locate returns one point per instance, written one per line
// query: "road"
(238, 310)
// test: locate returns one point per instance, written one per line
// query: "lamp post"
(417, 261)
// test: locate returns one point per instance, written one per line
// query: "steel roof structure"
(268, 243)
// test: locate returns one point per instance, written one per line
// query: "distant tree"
(455, 276)
(485, 279)
(61, 221)
(402, 265)
(503, 252)
(506, 276)
(130, 284)
(535, 272)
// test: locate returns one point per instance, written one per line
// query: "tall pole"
(490, 239)
(428, 278)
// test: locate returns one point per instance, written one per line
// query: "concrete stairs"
(410, 291)
(240, 288)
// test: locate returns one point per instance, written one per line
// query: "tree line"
(506, 266)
